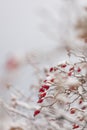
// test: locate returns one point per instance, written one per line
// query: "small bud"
(71, 69)
(63, 65)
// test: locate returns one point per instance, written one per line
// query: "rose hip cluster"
(42, 94)
(45, 87)
(67, 72)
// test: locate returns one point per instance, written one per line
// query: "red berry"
(70, 73)
(52, 80)
(80, 101)
(51, 69)
(75, 126)
(83, 108)
(45, 87)
(36, 112)
(40, 101)
(72, 110)
(41, 90)
(79, 69)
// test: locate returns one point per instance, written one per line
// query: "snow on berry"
(42, 95)
(45, 87)
(72, 111)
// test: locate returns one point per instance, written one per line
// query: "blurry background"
(22, 24)
(19, 22)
